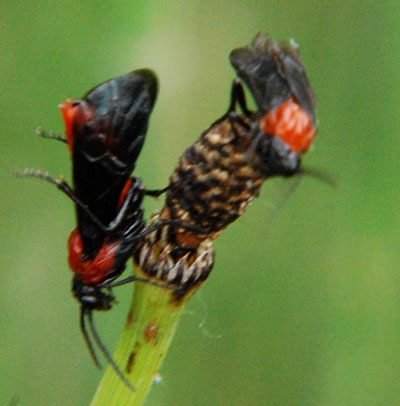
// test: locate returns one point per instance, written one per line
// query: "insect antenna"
(87, 337)
(44, 134)
(106, 353)
(321, 175)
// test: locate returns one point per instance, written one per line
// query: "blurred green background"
(303, 304)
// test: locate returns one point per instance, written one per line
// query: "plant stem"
(148, 332)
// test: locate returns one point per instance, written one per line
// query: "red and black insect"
(105, 132)
(285, 120)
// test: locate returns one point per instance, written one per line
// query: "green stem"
(150, 327)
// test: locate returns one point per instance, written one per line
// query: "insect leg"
(176, 223)
(156, 192)
(130, 279)
(238, 97)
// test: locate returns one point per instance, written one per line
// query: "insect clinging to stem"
(105, 132)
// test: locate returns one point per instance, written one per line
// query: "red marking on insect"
(292, 124)
(124, 192)
(91, 270)
(76, 114)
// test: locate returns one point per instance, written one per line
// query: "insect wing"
(273, 74)
(292, 69)
(123, 106)
(257, 66)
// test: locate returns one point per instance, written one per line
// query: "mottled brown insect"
(214, 182)
(223, 171)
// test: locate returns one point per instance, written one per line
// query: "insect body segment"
(103, 258)
(214, 182)
(95, 270)
(291, 124)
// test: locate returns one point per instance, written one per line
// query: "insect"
(285, 123)
(105, 132)
(223, 171)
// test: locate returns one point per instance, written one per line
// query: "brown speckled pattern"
(184, 269)
(213, 184)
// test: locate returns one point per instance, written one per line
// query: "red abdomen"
(292, 124)
(95, 270)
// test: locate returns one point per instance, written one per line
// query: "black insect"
(105, 132)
